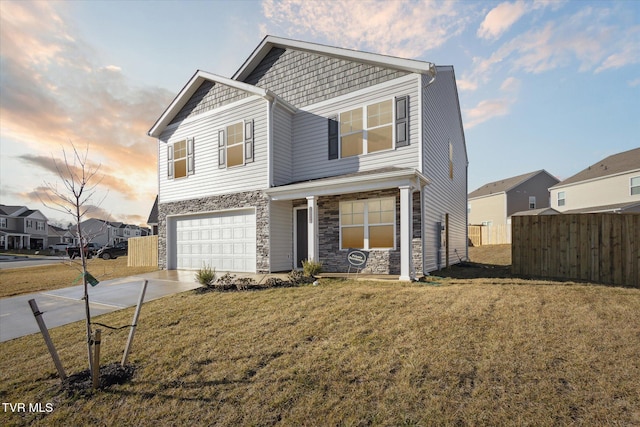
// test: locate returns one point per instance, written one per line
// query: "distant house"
(22, 228)
(58, 235)
(153, 218)
(104, 232)
(495, 202)
(610, 185)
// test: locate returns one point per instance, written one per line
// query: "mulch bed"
(81, 383)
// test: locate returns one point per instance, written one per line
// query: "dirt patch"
(81, 383)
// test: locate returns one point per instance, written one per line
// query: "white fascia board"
(560, 185)
(192, 86)
(349, 184)
(376, 59)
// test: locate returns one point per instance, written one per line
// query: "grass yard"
(16, 281)
(464, 353)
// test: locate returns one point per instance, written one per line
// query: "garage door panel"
(225, 241)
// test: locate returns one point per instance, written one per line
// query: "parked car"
(90, 250)
(60, 247)
(112, 252)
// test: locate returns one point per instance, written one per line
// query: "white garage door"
(226, 241)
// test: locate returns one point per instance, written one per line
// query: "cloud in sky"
(501, 18)
(491, 108)
(54, 90)
(404, 29)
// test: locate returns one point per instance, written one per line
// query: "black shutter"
(248, 141)
(333, 137)
(222, 143)
(402, 121)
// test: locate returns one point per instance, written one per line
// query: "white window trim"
(532, 201)
(564, 198)
(247, 142)
(189, 159)
(366, 223)
(3, 222)
(631, 186)
(365, 128)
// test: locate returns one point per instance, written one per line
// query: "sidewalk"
(62, 306)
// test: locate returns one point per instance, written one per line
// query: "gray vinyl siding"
(310, 140)
(441, 123)
(281, 223)
(208, 179)
(210, 95)
(282, 146)
(303, 78)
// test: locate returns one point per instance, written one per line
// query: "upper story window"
(235, 144)
(368, 224)
(561, 198)
(29, 223)
(369, 129)
(3, 222)
(532, 202)
(39, 225)
(635, 185)
(180, 159)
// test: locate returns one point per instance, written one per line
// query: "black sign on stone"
(357, 258)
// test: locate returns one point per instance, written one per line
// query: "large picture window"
(369, 129)
(368, 224)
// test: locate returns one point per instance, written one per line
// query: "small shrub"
(297, 277)
(275, 282)
(206, 276)
(311, 268)
(225, 282)
(245, 283)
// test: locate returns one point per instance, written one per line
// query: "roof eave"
(269, 42)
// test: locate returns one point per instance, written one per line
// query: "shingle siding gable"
(303, 78)
(209, 95)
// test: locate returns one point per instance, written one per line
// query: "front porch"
(377, 211)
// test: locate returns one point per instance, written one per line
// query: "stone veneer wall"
(380, 261)
(250, 199)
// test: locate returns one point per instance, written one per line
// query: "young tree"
(79, 186)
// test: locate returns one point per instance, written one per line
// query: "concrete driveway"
(62, 306)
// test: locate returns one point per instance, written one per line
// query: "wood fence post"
(134, 324)
(47, 339)
(96, 359)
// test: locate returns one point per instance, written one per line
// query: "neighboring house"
(307, 151)
(22, 228)
(153, 218)
(495, 202)
(58, 235)
(610, 185)
(104, 232)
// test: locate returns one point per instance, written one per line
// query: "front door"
(301, 231)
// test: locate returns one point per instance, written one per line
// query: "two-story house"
(494, 203)
(103, 232)
(307, 151)
(610, 185)
(22, 228)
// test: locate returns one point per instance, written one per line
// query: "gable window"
(39, 225)
(368, 224)
(532, 202)
(561, 198)
(369, 129)
(235, 144)
(29, 223)
(180, 159)
(3, 222)
(635, 186)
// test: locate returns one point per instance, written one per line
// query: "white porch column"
(312, 229)
(406, 234)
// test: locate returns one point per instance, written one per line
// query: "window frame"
(246, 141)
(366, 128)
(562, 199)
(3, 222)
(188, 158)
(635, 187)
(532, 202)
(367, 224)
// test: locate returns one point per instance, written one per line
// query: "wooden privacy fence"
(143, 251)
(480, 235)
(602, 248)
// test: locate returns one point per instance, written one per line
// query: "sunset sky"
(549, 85)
